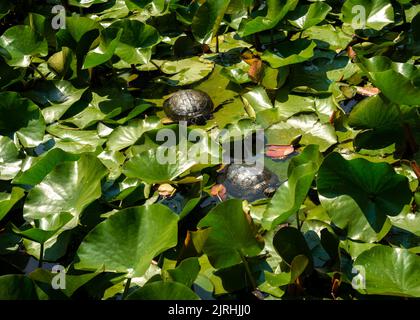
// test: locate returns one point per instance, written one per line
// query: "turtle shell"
(193, 106)
(249, 182)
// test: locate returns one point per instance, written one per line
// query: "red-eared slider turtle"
(247, 182)
(193, 106)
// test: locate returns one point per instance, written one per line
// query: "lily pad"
(22, 117)
(291, 194)
(377, 189)
(361, 14)
(397, 81)
(8, 200)
(276, 10)
(390, 271)
(161, 290)
(128, 240)
(10, 164)
(231, 235)
(68, 188)
(296, 52)
(23, 44)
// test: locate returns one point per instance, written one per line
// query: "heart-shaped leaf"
(361, 14)
(22, 117)
(375, 187)
(10, 164)
(231, 236)
(22, 44)
(291, 194)
(389, 271)
(295, 52)
(207, 19)
(397, 81)
(69, 187)
(129, 240)
(276, 11)
(8, 200)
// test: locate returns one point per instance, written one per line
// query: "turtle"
(192, 106)
(246, 181)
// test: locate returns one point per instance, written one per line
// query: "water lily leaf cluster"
(334, 86)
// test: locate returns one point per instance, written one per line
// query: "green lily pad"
(75, 141)
(328, 37)
(226, 99)
(306, 125)
(68, 188)
(187, 271)
(136, 41)
(73, 282)
(22, 117)
(231, 236)
(207, 19)
(23, 44)
(125, 136)
(105, 50)
(376, 188)
(40, 167)
(55, 97)
(290, 243)
(150, 167)
(389, 271)
(8, 200)
(397, 81)
(185, 71)
(380, 119)
(85, 3)
(374, 14)
(306, 16)
(42, 236)
(291, 194)
(129, 240)
(276, 10)
(161, 290)
(346, 215)
(10, 164)
(290, 53)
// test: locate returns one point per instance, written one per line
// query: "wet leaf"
(128, 240)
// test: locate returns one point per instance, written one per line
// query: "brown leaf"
(279, 151)
(333, 117)
(219, 190)
(368, 91)
(351, 53)
(166, 190)
(256, 69)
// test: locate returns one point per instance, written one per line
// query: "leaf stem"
(41, 255)
(248, 271)
(126, 288)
